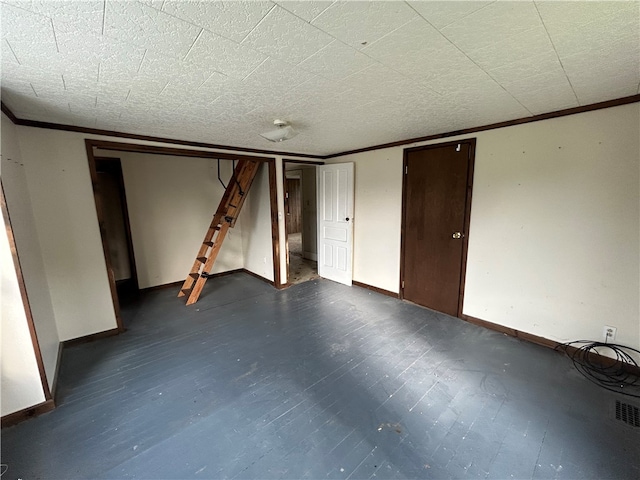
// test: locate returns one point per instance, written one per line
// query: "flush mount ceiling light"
(282, 132)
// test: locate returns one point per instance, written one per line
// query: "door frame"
(284, 192)
(467, 214)
(90, 144)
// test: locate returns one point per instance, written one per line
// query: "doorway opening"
(100, 148)
(300, 205)
(116, 226)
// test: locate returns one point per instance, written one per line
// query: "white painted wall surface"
(256, 221)
(57, 174)
(377, 217)
(59, 183)
(20, 386)
(28, 246)
(555, 221)
(171, 202)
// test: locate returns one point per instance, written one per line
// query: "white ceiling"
(346, 74)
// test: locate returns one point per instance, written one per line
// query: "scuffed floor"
(316, 381)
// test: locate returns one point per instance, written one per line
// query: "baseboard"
(163, 286)
(179, 283)
(90, 338)
(27, 413)
(266, 280)
(545, 342)
(54, 384)
(310, 256)
(375, 289)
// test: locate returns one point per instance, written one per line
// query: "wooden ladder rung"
(224, 218)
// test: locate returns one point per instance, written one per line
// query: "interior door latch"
(457, 235)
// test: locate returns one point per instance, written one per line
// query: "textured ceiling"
(346, 74)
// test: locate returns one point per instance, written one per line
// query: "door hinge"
(403, 284)
(458, 147)
(406, 169)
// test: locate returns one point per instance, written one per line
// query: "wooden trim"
(180, 282)
(27, 413)
(91, 338)
(304, 162)
(285, 203)
(467, 214)
(130, 147)
(23, 293)
(103, 236)
(491, 326)
(54, 384)
(179, 152)
(266, 280)
(545, 342)
(7, 111)
(275, 230)
(177, 283)
(519, 121)
(403, 229)
(125, 214)
(382, 291)
(146, 138)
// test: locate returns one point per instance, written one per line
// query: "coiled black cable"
(612, 372)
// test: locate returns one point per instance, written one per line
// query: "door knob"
(347, 219)
(457, 235)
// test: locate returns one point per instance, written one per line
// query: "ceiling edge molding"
(147, 138)
(518, 121)
(9, 113)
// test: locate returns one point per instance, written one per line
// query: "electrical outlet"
(609, 334)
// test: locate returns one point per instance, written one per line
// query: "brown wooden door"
(294, 206)
(437, 197)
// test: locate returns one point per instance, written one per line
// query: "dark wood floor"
(316, 381)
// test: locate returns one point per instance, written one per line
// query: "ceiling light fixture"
(283, 132)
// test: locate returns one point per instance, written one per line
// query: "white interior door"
(335, 222)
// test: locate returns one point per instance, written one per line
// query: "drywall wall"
(20, 386)
(256, 221)
(28, 246)
(59, 184)
(57, 174)
(309, 214)
(376, 217)
(554, 234)
(171, 202)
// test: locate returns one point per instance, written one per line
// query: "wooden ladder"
(224, 218)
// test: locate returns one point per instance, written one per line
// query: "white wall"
(555, 222)
(28, 247)
(59, 183)
(57, 174)
(256, 221)
(20, 385)
(171, 202)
